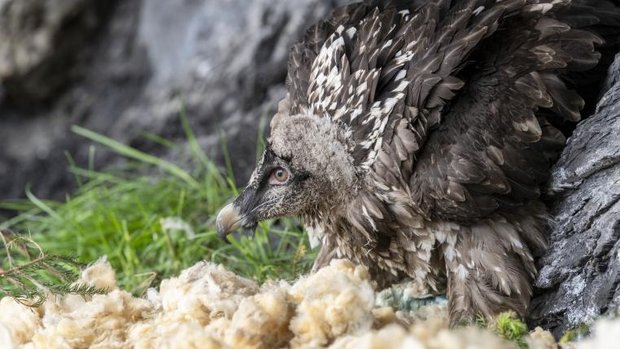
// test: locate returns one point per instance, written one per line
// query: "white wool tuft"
(541, 339)
(195, 307)
(337, 300)
(100, 275)
(17, 323)
(606, 335)
(261, 321)
(98, 322)
(391, 336)
(431, 334)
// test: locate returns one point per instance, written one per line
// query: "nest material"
(208, 306)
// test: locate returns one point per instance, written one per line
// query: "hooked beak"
(228, 220)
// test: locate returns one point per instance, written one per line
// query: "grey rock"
(39, 42)
(227, 62)
(35, 137)
(580, 274)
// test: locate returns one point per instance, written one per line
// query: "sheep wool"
(207, 306)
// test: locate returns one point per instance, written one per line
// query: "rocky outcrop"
(39, 42)
(580, 275)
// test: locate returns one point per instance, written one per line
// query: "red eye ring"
(280, 175)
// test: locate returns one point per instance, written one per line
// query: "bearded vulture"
(415, 137)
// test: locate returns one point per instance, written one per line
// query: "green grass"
(575, 334)
(509, 326)
(153, 226)
(506, 325)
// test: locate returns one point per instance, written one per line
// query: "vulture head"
(305, 170)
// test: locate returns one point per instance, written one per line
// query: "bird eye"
(279, 176)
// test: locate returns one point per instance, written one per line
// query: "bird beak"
(228, 220)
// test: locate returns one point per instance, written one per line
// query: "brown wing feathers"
(491, 143)
(432, 51)
(449, 106)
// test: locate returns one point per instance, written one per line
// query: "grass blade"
(135, 154)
